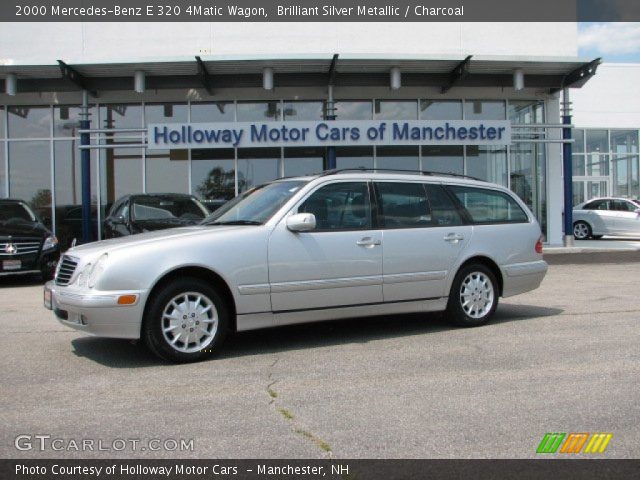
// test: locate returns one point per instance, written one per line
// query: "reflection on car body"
(305, 249)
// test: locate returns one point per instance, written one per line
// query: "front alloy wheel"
(186, 321)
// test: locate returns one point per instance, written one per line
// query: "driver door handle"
(453, 237)
(368, 242)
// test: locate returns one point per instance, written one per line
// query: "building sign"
(328, 133)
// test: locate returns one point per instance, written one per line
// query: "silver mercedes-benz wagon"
(335, 245)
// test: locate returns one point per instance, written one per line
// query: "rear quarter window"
(486, 206)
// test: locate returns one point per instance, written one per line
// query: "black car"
(26, 245)
(145, 212)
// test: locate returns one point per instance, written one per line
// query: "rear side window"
(443, 210)
(489, 206)
(403, 205)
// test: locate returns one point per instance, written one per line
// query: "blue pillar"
(330, 114)
(85, 156)
(331, 158)
(567, 164)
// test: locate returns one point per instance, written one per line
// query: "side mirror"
(119, 220)
(301, 222)
(637, 210)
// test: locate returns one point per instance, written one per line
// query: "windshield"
(167, 208)
(255, 206)
(16, 212)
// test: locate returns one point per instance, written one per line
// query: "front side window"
(489, 206)
(623, 206)
(158, 208)
(340, 206)
(403, 205)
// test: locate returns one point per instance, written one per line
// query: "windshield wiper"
(236, 222)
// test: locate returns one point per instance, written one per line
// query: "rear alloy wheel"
(186, 321)
(581, 230)
(474, 296)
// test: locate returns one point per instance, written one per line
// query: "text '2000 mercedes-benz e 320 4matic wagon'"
(335, 245)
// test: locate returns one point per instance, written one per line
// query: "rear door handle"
(453, 237)
(368, 242)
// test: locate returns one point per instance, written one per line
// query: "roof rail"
(397, 170)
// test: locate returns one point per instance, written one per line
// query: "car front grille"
(24, 246)
(65, 270)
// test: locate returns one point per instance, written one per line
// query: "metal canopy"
(224, 72)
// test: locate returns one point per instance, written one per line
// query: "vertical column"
(567, 169)
(85, 156)
(330, 114)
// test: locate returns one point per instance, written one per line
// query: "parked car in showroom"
(606, 216)
(335, 245)
(147, 212)
(27, 246)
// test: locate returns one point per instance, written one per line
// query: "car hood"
(23, 229)
(150, 238)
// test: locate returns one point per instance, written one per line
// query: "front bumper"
(96, 313)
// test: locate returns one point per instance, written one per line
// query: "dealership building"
(140, 82)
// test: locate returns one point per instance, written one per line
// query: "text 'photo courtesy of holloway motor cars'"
(335, 245)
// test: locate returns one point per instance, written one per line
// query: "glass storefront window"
(303, 161)
(66, 120)
(621, 168)
(597, 165)
(213, 176)
(578, 166)
(212, 112)
(526, 111)
(484, 110)
(68, 188)
(353, 110)
(167, 171)
(401, 158)
(578, 193)
(597, 141)
(527, 177)
(121, 116)
(354, 157)
(487, 163)
(3, 170)
(396, 109)
(29, 122)
(166, 113)
(440, 110)
(259, 111)
(624, 141)
(578, 144)
(123, 171)
(257, 166)
(303, 110)
(443, 159)
(30, 175)
(2, 122)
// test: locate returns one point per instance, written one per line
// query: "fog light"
(127, 299)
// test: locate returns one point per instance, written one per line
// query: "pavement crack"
(296, 426)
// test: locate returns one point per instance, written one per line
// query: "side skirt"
(253, 321)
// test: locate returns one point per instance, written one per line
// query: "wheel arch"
(199, 272)
(487, 262)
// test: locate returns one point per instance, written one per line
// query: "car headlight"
(89, 274)
(97, 270)
(50, 242)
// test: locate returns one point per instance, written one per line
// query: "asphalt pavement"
(564, 358)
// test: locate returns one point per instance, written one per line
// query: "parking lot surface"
(564, 358)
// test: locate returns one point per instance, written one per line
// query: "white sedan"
(606, 216)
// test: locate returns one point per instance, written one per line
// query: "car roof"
(395, 175)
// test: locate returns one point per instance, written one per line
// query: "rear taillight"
(539, 246)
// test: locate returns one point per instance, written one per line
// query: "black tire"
(185, 291)
(582, 230)
(466, 316)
